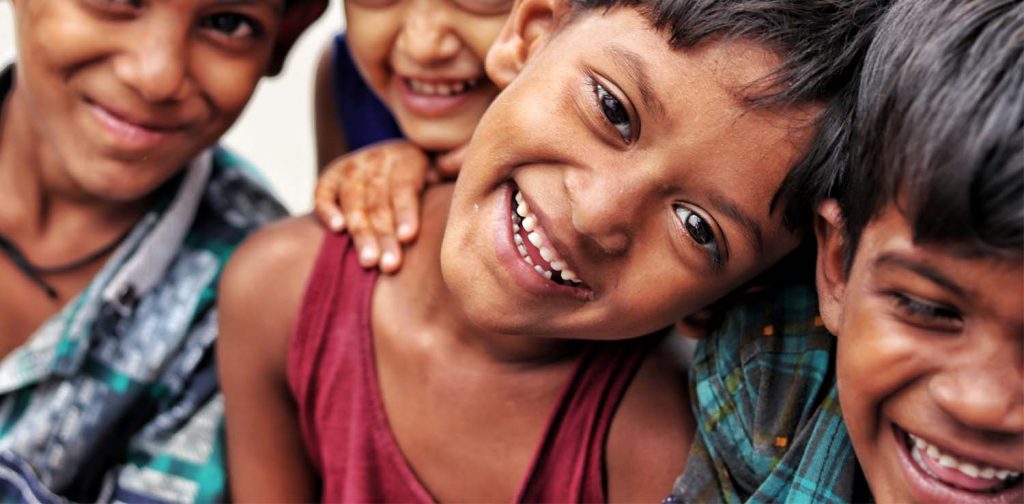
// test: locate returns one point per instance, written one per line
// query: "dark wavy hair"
(939, 126)
(821, 44)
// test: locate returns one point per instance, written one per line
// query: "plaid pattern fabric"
(769, 427)
(115, 398)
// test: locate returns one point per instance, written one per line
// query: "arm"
(260, 295)
(330, 139)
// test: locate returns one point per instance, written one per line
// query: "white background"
(276, 130)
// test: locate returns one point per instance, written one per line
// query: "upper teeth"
(441, 88)
(536, 238)
(945, 459)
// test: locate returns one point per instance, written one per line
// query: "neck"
(420, 286)
(41, 206)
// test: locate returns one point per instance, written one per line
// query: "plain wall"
(276, 130)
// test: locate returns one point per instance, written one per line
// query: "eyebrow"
(278, 5)
(921, 268)
(750, 227)
(634, 67)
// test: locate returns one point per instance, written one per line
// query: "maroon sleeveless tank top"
(333, 376)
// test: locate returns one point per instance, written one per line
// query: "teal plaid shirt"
(769, 427)
(115, 398)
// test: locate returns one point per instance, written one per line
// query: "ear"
(298, 15)
(528, 28)
(830, 231)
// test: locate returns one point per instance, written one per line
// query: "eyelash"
(710, 247)
(604, 100)
(929, 315)
(244, 21)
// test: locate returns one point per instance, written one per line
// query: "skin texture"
(930, 343)
(110, 101)
(474, 352)
(614, 205)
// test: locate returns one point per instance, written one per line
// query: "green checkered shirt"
(769, 427)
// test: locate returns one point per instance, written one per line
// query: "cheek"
(479, 33)
(370, 37)
(227, 83)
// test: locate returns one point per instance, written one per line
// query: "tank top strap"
(336, 296)
(569, 464)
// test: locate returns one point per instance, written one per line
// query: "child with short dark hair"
(596, 203)
(919, 277)
(921, 257)
(117, 214)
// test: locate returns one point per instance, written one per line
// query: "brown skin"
(177, 74)
(930, 342)
(439, 378)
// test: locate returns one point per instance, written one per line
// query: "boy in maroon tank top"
(626, 176)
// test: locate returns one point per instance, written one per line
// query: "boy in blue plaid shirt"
(920, 276)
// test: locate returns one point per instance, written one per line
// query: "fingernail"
(388, 260)
(404, 230)
(337, 222)
(367, 255)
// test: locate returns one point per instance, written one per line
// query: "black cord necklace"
(36, 273)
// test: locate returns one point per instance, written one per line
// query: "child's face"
(124, 94)
(424, 58)
(643, 174)
(930, 365)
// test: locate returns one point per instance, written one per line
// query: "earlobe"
(526, 30)
(829, 229)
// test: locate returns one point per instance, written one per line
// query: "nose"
(604, 208)
(987, 395)
(427, 36)
(156, 65)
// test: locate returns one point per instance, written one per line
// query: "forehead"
(993, 284)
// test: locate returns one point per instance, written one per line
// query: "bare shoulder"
(263, 284)
(653, 428)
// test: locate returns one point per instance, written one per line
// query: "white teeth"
(950, 461)
(546, 254)
(440, 88)
(529, 223)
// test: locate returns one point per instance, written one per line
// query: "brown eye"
(700, 232)
(231, 24)
(614, 112)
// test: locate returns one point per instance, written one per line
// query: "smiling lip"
(426, 98)
(928, 488)
(129, 134)
(522, 273)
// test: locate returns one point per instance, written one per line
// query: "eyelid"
(597, 79)
(716, 254)
(906, 302)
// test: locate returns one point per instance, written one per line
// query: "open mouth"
(956, 472)
(534, 247)
(442, 88)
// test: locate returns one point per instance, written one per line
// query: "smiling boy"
(597, 202)
(116, 216)
(921, 258)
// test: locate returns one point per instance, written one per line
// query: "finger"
(365, 239)
(391, 253)
(407, 184)
(325, 200)
(449, 164)
(378, 207)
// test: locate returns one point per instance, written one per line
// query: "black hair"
(939, 127)
(821, 44)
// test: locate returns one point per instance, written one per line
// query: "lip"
(522, 273)
(927, 489)
(433, 106)
(128, 133)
